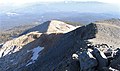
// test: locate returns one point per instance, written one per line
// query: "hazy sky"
(31, 1)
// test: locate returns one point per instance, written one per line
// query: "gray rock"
(87, 61)
(101, 58)
(116, 53)
(116, 61)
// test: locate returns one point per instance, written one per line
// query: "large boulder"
(87, 61)
(101, 58)
(116, 61)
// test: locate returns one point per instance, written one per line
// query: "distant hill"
(111, 21)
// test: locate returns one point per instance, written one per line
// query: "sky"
(19, 2)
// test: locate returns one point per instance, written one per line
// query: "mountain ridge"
(58, 48)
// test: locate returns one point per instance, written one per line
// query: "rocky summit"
(58, 46)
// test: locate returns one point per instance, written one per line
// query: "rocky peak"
(53, 26)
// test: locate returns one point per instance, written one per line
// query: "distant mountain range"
(11, 20)
(83, 12)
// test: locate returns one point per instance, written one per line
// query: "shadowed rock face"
(59, 48)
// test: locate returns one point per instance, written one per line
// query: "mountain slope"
(27, 43)
(108, 32)
(13, 32)
(53, 51)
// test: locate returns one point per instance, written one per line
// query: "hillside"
(9, 34)
(57, 46)
(108, 32)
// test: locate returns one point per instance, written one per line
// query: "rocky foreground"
(57, 46)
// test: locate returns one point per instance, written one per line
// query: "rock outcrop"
(92, 59)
